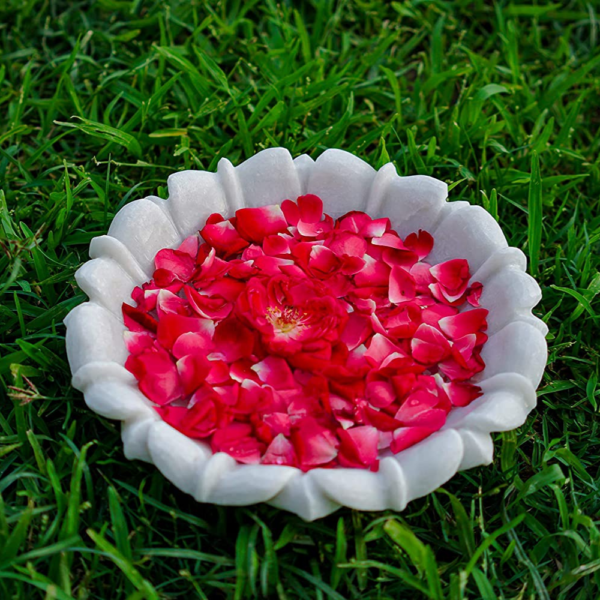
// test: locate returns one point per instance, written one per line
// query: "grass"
(101, 100)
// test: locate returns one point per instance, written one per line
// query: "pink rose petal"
(359, 447)
(279, 452)
(464, 323)
(311, 208)
(314, 444)
(421, 243)
(224, 237)
(406, 437)
(429, 346)
(402, 286)
(254, 224)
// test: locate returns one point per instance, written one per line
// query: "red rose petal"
(224, 237)
(429, 346)
(233, 340)
(402, 286)
(464, 323)
(279, 423)
(274, 245)
(199, 343)
(192, 370)
(207, 306)
(237, 441)
(314, 444)
(380, 420)
(254, 224)
(375, 228)
(381, 348)
(474, 293)
(462, 394)
(346, 243)
(138, 341)
(311, 208)
(452, 275)
(168, 302)
(420, 410)
(171, 326)
(138, 320)
(380, 393)
(374, 273)
(157, 375)
(421, 243)
(291, 212)
(359, 446)
(406, 437)
(275, 371)
(180, 264)
(279, 452)
(190, 246)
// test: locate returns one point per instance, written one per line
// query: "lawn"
(101, 101)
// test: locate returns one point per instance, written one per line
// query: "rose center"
(285, 318)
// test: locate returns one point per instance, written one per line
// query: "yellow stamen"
(284, 319)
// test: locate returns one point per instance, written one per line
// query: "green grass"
(100, 101)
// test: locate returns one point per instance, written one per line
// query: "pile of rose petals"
(291, 338)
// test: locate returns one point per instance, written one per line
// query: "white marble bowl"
(515, 353)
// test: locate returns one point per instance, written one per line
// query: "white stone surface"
(515, 354)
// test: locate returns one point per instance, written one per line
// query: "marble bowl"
(515, 354)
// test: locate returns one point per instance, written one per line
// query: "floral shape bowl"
(515, 353)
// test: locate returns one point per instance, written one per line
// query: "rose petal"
(421, 243)
(474, 293)
(254, 224)
(464, 323)
(359, 446)
(199, 343)
(224, 237)
(356, 331)
(420, 409)
(157, 375)
(462, 394)
(180, 264)
(190, 246)
(274, 245)
(406, 437)
(171, 326)
(374, 273)
(291, 212)
(452, 275)
(380, 393)
(138, 341)
(279, 452)
(311, 208)
(168, 302)
(212, 308)
(276, 372)
(429, 346)
(381, 348)
(138, 320)
(192, 370)
(278, 422)
(236, 440)
(232, 340)
(314, 444)
(346, 243)
(375, 228)
(380, 420)
(402, 286)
